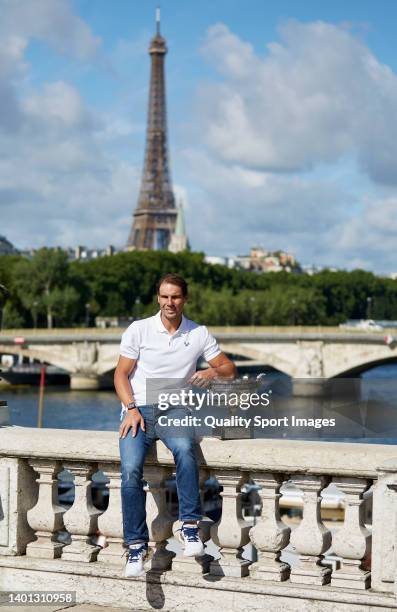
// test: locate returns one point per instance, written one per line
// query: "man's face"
(171, 301)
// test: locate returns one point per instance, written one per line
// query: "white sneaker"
(137, 554)
(189, 536)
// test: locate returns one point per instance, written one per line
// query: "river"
(100, 410)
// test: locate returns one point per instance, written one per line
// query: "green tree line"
(48, 290)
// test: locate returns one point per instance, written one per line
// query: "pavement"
(72, 607)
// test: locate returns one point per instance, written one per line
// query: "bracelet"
(131, 406)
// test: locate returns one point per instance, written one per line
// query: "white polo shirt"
(163, 355)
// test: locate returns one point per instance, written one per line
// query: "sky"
(282, 124)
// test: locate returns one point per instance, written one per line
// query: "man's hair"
(173, 279)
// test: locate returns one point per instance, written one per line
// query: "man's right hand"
(133, 419)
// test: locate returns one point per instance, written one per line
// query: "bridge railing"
(260, 329)
(32, 519)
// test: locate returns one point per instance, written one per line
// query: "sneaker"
(189, 536)
(137, 554)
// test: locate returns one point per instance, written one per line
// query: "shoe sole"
(198, 554)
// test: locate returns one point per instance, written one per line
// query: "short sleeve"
(211, 348)
(129, 346)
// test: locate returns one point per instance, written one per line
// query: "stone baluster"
(196, 565)
(46, 517)
(384, 529)
(270, 535)
(311, 539)
(110, 523)
(158, 519)
(231, 532)
(353, 541)
(81, 519)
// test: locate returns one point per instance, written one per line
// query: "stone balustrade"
(291, 568)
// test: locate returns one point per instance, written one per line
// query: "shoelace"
(190, 533)
(134, 553)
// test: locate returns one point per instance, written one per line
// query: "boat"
(29, 374)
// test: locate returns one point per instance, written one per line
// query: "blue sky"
(282, 124)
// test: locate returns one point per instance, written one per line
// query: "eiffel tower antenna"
(158, 20)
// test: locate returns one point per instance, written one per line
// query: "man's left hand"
(202, 378)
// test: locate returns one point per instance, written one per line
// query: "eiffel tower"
(155, 216)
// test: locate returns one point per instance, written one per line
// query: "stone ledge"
(95, 581)
(287, 456)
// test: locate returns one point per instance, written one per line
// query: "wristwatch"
(131, 406)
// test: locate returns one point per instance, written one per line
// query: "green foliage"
(48, 288)
(42, 286)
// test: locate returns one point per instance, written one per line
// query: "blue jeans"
(132, 454)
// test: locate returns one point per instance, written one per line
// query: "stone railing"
(32, 555)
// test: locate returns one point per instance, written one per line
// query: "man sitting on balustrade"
(165, 346)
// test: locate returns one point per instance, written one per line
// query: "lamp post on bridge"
(34, 312)
(87, 314)
(137, 308)
(252, 300)
(369, 307)
(293, 304)
(4, 293)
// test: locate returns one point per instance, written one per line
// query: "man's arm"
(122, 385)
(133, 418)
(220, 367)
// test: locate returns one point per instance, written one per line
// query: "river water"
(100, 410)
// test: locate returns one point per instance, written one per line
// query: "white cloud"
(52, 21)
(318, 94)
(59, 103)
(371, 236)
(59, 184)
(234, 208)
(298, 146)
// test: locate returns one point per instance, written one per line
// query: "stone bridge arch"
(35, 352)
(345, 359)
(261, 355)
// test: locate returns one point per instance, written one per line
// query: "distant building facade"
(6, 248)
(84, 253)
(259, 260)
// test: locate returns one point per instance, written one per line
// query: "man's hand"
(133, 419)
(201, 378)
(221, 367)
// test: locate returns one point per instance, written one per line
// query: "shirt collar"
(183, 327)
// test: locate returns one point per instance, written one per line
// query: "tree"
(48, 286)
(41, 283)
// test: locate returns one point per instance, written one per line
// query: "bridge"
(90, 355)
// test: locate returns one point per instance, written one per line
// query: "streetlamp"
(87, 314)
(4, 293)
(34, 311)
(137, 307)
(293, 303)
(369, 307)
(252, 300)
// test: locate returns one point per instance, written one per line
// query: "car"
(363, 324)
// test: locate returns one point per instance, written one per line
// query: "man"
(165, 346)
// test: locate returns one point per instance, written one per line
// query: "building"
(179, 241)
(260, 260)
(6, 248)
(154, 219)
(83, 253)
